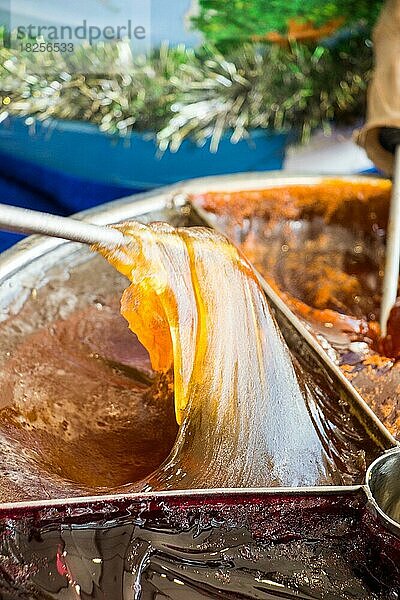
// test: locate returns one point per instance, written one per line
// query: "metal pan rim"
(198, 493)
(387, 520)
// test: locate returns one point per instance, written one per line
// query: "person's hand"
(383, 108)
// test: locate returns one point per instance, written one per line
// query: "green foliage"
(181, 93)
(235, 21)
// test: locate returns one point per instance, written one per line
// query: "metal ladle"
(383, 484)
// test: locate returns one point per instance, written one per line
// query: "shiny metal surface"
(383, 484)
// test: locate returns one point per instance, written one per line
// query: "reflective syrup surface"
(83, 412)
(322, 248)
(228, 546)
(249, 414)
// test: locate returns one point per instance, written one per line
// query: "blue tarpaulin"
(65, 167)
(31, 186)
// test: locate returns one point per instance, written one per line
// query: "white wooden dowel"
(392, 260)
(23, 220)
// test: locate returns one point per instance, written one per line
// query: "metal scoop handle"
(23, 220)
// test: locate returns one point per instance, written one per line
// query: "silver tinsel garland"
(179, 93)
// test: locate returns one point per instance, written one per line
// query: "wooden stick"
(392, 261)
(22, 220)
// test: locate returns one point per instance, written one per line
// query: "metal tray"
(278, 513)
(30, 263)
